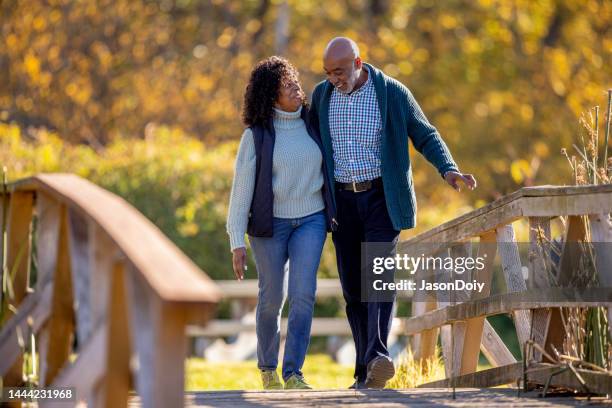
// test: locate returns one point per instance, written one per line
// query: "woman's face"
(290, 95)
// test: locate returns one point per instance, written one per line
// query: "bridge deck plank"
(371, 398)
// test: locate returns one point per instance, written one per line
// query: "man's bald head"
(342, 64)
(341, 47)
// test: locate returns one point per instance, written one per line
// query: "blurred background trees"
(144, 97)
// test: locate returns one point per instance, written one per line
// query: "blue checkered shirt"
(355, 127)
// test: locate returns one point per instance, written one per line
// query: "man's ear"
(358, 63)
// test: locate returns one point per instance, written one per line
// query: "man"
(365, 119)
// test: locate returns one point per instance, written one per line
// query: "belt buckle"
(355, 190)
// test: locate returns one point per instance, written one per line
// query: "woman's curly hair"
(263, 89)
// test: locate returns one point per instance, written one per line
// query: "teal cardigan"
(401, 118)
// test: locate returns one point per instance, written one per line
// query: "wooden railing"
(243, 298)
(111, 298)
(532, 302)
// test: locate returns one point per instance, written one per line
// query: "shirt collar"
(365, 85)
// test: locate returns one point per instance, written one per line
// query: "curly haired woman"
(280, 197)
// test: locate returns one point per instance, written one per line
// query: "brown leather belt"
(361, 186)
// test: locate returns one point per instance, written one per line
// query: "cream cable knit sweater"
(297, 177)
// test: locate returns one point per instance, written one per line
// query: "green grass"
(410, 373)
(319, 370)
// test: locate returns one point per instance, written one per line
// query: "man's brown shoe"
(380, 370)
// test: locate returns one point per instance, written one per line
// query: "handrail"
(171, 274)
(533, 303)
(533, 201)
(107, 276)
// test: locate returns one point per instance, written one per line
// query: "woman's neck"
(287, 120)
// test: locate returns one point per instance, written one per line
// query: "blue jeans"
(299, 241)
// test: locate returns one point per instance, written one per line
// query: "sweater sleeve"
(426, 138)
(242, 191)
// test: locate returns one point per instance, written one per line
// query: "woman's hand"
(239, 262)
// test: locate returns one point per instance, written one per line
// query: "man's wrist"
(448, 171)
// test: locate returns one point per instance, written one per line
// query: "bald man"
(365, 119)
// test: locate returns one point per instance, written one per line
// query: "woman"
(281, 198)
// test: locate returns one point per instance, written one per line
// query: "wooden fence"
(532, 303)
(241, 324)
(108, 281)
(243, 300)
(113, 298)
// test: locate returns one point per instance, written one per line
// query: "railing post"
(513, 274)
(540, 276)
(19, 223)
(452, 336)
(570, 256)
(113, 389)
(79, 232)
(17, 263)
(57, 335)
(47, 238)
(487, 249)
(575, 232)
(424, 343)
(160, 343)
(601, 236)
(108, 312)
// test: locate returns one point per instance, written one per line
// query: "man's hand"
(453, 178)
(239, 262)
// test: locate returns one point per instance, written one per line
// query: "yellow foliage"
(512, 75)
(519, 170)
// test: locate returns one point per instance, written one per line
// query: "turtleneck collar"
(287, 120)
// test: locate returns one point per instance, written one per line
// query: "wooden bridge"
(108, 279)
(112, 299)
(533, 303)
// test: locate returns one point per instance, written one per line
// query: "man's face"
(342, 73)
